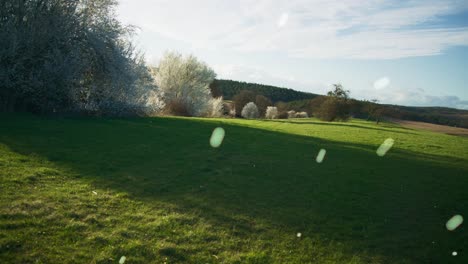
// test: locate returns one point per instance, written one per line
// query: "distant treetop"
(228, 89)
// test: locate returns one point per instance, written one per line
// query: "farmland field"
(457, 131)
(91, 190)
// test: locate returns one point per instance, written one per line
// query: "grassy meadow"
(90, 190)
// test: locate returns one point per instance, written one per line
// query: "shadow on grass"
(395, 206)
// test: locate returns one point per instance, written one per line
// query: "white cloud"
(283, 20)
(449, 101)
(362, 29)
(310, 29)
(382, 83)
(412, 97)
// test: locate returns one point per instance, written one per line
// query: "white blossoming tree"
(185, 83)
(271, 112)
(250, 111)
(217, 107)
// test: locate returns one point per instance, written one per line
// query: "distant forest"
(436, 115)
(228, 89)
(302, 101)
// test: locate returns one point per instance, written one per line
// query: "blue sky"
(400, 52)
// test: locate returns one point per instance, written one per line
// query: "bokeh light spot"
(217, 137)
(321, 156)
(386, 146)
(454, 222)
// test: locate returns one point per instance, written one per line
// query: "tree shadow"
(384, 205)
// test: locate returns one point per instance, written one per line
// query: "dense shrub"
(250, 111)
(283, 115)
(291, 114)
(334, 109)
(153, 103)
(282, 106)
(226, 109)
(242, 98)
(245, 96)
(301, 115)
(60, 56)
(314, 104)
(232, 112)
(337, 106)
(271, 112)
(262, 103)
(217, 107)
(176, 107)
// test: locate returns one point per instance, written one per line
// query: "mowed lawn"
(91, 190)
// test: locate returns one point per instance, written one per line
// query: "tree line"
(229, 88)
(337, 105)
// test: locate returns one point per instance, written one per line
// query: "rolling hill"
(228, 89)
(299, 101)
(90, 190)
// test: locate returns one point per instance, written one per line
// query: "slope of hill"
(152, 189)
(458, 131)
(229, 88)
(435, 115)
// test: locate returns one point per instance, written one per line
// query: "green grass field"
(85, 190)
